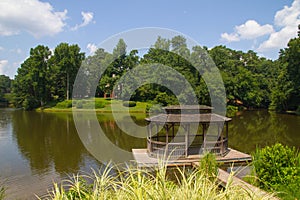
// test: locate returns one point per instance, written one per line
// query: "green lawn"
(101, 104)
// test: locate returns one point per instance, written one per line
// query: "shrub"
(79, 104)
(208, 165)
(155, 108)
(231, 110)
(129, 103)
(92, 105)
(298, 110)
(277, 168)
(30, 103)
(165, 99)
(64, 104)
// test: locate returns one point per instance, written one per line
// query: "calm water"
(39, 148)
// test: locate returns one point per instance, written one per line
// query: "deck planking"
(142, 159)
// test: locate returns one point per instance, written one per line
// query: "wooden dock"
(233, 156)
(224, 177)
(142, 159)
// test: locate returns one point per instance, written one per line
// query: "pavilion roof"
(188, 118)
(188, 107)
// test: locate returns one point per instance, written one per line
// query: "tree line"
(250, 81)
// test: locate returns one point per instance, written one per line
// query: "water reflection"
(260, 128)
(45, 139)
(37, 148)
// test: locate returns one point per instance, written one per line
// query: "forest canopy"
(250, 81)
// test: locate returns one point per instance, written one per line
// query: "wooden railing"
(180, 149)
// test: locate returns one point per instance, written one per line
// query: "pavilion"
(187, 130)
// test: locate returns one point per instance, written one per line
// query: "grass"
(2, 192)
(136, 183)
(100, 105)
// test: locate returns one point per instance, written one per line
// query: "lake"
(37, 149)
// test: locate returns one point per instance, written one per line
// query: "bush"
(92, 105)
(155, 108)
(231, 110)
(79, 104)
(277, 168)
(209, 166)
(30, 103)
(129, 103)
(298, 110)
(64, 104)
(165, 99)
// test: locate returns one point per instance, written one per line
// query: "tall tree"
(289, 77)
(162, 43)
(5, 85)
(66, 61)
(32, 85)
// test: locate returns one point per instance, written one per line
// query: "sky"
(264, 26)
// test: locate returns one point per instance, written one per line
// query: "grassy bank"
(100, 105)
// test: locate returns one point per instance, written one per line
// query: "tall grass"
(2, 192)
(136, 183)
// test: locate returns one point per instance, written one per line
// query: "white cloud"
(287, 19)
(32, 16)
(92, 48)
(1, 48)
(232, 37)
(87, 18)
(17, 51)
(249, 30)
(3, 63)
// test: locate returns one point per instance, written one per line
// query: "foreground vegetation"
(2, 192)
(137, 183)
(277, 169)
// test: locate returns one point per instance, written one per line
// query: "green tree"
(162, 43)
(5, 86)
(289, 58)
(66, 62)
(32, 85)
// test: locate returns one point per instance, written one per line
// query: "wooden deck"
(233, 156)
(224, 177)
(142, 159)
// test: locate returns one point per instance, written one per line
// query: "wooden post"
(149, 145)
(204, 136)
(157, 135)
(187, 139)
(221, 139)
(173, 131)
(167, 140)
(227, 133)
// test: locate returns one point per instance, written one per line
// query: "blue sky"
(263, 26)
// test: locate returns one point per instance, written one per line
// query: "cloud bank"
(32, 16)
(285, 27)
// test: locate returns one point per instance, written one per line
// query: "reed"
(136, 183)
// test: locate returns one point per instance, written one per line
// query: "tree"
(5, 85)
(32, 85)
(162, 43)
(286, 93)
(66, 62)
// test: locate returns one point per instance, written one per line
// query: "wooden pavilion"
(187, 130)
